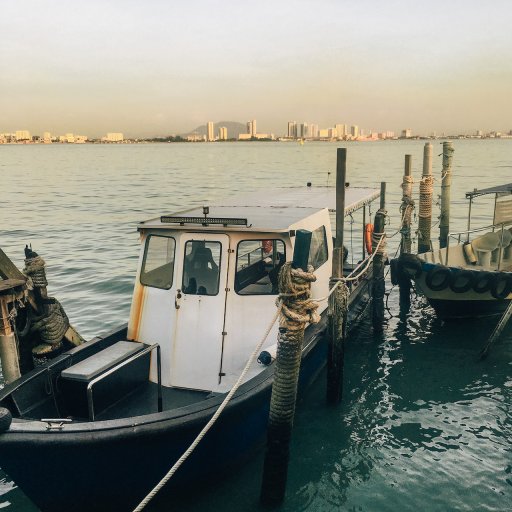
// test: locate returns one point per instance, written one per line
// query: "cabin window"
(201, 267)
(318, 252)
(158, 264)
(257, 266)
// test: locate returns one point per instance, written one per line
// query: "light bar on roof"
(204, 221)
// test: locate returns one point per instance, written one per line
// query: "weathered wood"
(284, 392)
(378, 285)
(8, 270)
(446, 183)
(425, 207)
(404, 282)
(336, 322)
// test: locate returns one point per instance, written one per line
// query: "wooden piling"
(284, 392)
(336, 315)
(446, 183)
(378, 286)
(10, 291)
(406, 209)
(425, 208)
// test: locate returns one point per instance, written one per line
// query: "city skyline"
(96, 67)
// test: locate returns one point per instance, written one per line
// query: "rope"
(34, 268)
(213, 419)
(426, 191)
(297, 306)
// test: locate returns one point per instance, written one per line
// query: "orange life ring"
(368, 233)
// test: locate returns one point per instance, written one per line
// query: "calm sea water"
(424, 424)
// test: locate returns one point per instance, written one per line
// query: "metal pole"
(336, 312)
(284, 392)
(378, 286)
(446, 183)
(425, 209)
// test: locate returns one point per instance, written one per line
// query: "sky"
(163, 67)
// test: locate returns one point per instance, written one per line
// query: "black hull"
(457, 309)
(113, 464)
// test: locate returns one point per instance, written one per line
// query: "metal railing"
(467, 233)
(90, 403)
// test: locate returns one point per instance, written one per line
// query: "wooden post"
(336, 316)
(425, 208)
(284, 393)
(446, 183)
(378, 286)
(10, 290)
(406, 209)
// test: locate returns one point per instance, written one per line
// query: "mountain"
(233, 127)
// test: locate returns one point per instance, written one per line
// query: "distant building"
(407, 133)
(244, 136)
(304, 130)
(22, 135)
(341, 130)
(195, 137)
(292, 129)
(354, 131)
(313, 131)
(323, 133)
(251, 128)
(113, 137)
(223, 133)
(209, 131)
(47, 137)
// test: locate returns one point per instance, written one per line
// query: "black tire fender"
(438, 278)
(483, 281)
(5, 419)
(462, 281)
(410, 265)
(501, 285)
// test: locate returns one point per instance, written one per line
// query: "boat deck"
(143, 400)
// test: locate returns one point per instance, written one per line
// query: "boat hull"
(114, 464)
(450, 304)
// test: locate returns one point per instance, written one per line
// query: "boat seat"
(508, 250)
(503, 243)
(121, 380)
(483, 246)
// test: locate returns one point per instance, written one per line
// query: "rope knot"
(297, 307)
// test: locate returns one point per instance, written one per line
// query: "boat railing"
(459, 235)
(90, 402)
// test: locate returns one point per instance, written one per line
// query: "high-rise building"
(251, 128)
(341, 130)
(407, 133)
(223, 133)
(292, 129)
(209, 131)
(304, 130)
(354, 131)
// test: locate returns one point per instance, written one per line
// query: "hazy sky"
(163, 66)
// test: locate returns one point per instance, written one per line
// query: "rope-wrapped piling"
(297, 311)
(425, 206)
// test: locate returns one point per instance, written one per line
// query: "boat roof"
(500, 189)
(266, 210)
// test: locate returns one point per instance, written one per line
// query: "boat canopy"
(265, 210)
(500, 189)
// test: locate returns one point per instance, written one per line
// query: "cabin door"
(200, 313)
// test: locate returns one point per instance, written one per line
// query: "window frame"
(236, 266)
(326, 247)
(190, 240)
(148, 239)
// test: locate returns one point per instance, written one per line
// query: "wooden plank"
(8, 270)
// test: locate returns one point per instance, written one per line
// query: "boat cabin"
(207, 278)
